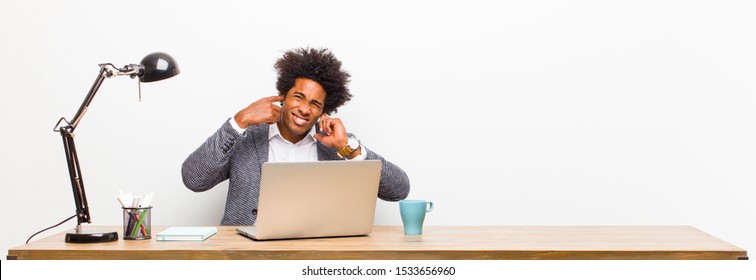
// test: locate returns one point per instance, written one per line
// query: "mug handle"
(430, 207)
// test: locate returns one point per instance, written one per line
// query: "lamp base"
(91, 237)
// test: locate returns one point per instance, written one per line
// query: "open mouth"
(299, 120)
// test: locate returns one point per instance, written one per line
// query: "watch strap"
(344, 152)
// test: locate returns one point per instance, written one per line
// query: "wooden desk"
(470, 243)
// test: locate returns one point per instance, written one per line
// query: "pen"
(139, 224)
(130, 224)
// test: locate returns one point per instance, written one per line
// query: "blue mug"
(413, 215)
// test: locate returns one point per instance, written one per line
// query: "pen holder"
(137, 223)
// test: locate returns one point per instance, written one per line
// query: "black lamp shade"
(158, 66)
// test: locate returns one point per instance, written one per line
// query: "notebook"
(315, 199)
(186, 233)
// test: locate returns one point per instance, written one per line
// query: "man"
(311, 86)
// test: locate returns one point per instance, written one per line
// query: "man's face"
(301, 109)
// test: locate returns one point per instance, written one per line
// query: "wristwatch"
(352, 144)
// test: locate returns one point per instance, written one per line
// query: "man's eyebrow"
(311, 100)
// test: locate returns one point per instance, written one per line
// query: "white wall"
(505, 113)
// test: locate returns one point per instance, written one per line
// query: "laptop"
(315, 199)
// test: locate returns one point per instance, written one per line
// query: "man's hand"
(334, 134)
(259, 112)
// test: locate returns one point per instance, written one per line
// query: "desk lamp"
(154, 67)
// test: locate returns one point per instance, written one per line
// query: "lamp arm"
(107, 70)
(88, 99)
(77, 182)
(66, 132)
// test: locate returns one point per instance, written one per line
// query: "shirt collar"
(273, 131)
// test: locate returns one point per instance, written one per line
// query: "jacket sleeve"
(394, 184)
(209, 164)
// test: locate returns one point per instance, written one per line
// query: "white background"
(503, 113)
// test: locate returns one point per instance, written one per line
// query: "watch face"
(353, 143)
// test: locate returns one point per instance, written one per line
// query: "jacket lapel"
(326, 153)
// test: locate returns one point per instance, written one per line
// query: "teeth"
(299, 121)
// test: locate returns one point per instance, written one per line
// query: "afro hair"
(319, 65)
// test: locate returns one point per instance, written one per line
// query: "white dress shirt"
(281, 150)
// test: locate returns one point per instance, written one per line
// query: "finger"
(325, 140)
(321, 124)
(273, 99)
(324, 123)
(327, 126)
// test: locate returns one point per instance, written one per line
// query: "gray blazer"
(239, 158)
